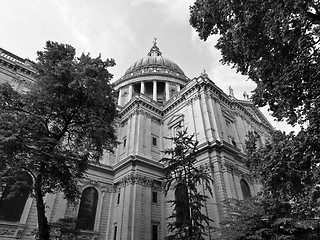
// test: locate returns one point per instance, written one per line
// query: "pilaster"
(207, 118)
(220, 120)
(220, 183)
(198, 119)
(137, 218)
(147, 213)
(213, 118)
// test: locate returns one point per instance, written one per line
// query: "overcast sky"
(120, 29)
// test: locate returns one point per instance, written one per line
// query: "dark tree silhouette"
(191, 184)
(59, 126)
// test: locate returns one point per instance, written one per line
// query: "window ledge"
(11, 229)
(88, 235)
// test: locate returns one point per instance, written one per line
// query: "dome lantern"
(154, 51)
(154, 76)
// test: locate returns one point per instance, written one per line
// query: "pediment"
(175, 120)
(254, 115)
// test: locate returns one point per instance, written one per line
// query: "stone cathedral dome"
(153, 76)
(154, 64)
(154, 59)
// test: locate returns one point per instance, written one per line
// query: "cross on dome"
(154, 51)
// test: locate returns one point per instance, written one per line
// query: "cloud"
(223, 75)
(99, 27)
(75, 23)
(176, 10)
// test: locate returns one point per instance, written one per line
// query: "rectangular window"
(175, 129)
(118, 198)
(154, 197)
(154, 141)
(115, 233)
(124, 142)
(154, 232)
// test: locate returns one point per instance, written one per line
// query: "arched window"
(87, 209)
(13, 199)
(182, 204)
(245, 189)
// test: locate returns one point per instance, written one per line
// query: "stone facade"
(155, 100)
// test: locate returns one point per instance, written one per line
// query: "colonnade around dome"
(159, 91)
(154, 76)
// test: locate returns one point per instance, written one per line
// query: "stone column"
(130, 92)
(155, 91)
(142, 89)
(167, 91)
(120, 97)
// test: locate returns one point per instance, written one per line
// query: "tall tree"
(59, 126)
(191, 185)
(288, 168)
(287, 207)
(245, 219)
(276, 44)
(252, 219)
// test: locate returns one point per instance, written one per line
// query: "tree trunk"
(190, 230)
(43, 227)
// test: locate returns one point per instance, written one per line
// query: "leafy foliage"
(181, 170)
(61, 125)
(251, 219)
(244, 219)
(288, 206)
(289, 172)
(275, 43)
(63, 229)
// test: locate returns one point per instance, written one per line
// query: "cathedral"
(123, 196)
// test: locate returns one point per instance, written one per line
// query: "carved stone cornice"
(158, 185)
(137, 102)
(232, 168)
(16, 63)
(152, 71)
(134, 178)
(207, 167)
(193, 99)
(139, 111)
(235, 170)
